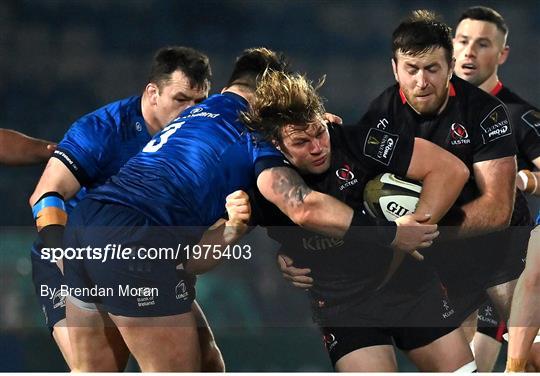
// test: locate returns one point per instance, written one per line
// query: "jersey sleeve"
(265, 155)
(494, 136)
(84, 148)
(527, 127)
(379, 144)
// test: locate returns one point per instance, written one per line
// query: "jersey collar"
(496, 89)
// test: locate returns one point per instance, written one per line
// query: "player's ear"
(152, 92)
(394, 69)
(452, 67)
(504, 55)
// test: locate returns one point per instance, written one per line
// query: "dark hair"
(194, 64)
(481, 13)
(253, 62)
(421, 32)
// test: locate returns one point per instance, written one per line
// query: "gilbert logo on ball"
(389, 197)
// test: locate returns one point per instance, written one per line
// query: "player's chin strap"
(51, 218)
(467, 368)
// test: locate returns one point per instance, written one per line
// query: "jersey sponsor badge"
(495, 125)
(532, 118)
(380, 145)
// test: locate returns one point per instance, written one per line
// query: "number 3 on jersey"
(156, 143)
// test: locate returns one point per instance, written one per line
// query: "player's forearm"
(323, 214)
(19, 149)
(218, 236)
(440, 190)
(485, 214)
(313, 210)
(214, 235)
(492, 210)
(55, 178)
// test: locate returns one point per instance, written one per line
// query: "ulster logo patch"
(459, 135)
(345, 173)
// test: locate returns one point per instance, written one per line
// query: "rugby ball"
(389, 197)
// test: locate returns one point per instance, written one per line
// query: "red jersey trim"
(451, 90)
(403, 99)
(496, 89)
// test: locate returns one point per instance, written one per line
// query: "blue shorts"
(47, 277)
(132, 286)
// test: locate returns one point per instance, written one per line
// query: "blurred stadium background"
(60, 59)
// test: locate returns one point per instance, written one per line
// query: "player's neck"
(489, 84)
(245, 91)
(443, 106)
(152, 124)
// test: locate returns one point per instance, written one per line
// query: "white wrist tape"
(530, 182)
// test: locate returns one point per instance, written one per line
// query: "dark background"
(62, 59)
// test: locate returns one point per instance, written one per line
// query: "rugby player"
(360, 318)
(524, 320)
(182, 178)
(95, 148)
(430, 103)
(480, 46)
(17, 149)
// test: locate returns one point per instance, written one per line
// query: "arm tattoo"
(287, 182)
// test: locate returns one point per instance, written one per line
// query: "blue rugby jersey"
(182, 176)
(99, 143)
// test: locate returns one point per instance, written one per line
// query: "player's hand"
(331, 118)
(298, 277)
(239, 211)
(51, 147)
(414, 233)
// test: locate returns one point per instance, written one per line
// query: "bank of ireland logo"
(196, 110)
(345, 173)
